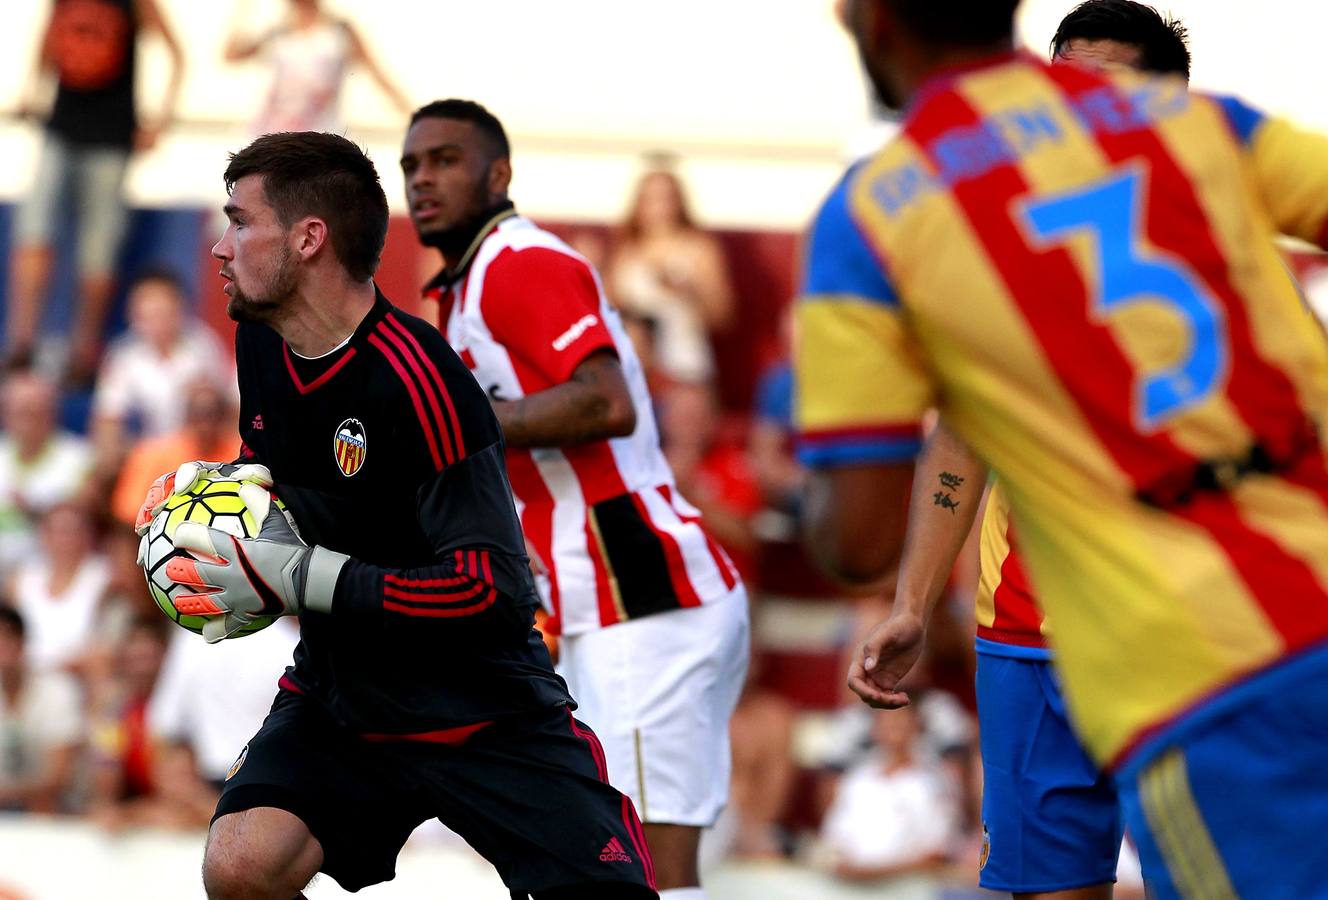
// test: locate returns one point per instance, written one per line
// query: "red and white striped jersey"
(604, 518)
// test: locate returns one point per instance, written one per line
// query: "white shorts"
(659, 693)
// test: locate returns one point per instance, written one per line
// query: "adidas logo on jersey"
(613, 852)
(564, 340)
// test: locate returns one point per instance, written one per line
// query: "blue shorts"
(1232, 800)
(1050, 817)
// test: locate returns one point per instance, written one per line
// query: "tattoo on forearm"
(943, 498)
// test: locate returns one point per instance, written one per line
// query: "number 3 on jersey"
(1130, 274)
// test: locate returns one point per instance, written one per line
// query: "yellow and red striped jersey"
(1077, 269)
(1010, 622)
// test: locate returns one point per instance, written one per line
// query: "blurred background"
(700, 132)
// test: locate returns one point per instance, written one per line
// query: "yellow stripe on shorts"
(1179, 830)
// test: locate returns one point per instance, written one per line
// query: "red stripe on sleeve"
(452, 422)
(449, 456)
(459, 596)
(435, 612)
(486, 573)
(426, 582)
(414, 398)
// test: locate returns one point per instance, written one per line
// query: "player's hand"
(184, 477)
(889, 652)
(234, 581)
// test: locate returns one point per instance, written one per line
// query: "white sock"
(691, 893)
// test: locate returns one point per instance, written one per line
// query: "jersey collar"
(446, 277)
(310, 374)
(942, 78)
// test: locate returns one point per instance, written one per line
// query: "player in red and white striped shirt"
(652, 614)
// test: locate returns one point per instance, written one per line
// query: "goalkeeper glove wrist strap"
(322, 568)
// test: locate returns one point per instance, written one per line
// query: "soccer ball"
(214, 502)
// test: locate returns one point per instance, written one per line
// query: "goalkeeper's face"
(261, 271)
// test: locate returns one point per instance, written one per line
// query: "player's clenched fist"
(889, 652)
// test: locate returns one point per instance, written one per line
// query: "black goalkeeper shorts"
(528, 792)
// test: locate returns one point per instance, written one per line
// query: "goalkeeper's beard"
(265, 307)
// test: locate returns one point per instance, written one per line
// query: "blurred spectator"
(188, 712)
(309, 53)
(60, 591)
(40, 466)
(141, 386)
(666, 270)
(763, 768)
(41, 726)
(91, 49)
(208, 432)
(893, 814)
(778, 474)
(592, 245)
(121, 748)
(719, 484)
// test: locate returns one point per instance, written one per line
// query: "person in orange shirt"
(209, 433)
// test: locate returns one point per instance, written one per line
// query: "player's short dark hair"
(958, 23)
(11, 619)
(1163, 41)
(469, 111)
(310, 173)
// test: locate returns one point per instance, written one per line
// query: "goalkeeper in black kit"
(420, 688)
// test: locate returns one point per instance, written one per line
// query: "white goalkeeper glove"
(183, 478)
(236, 580)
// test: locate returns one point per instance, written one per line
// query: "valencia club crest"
(349, 446)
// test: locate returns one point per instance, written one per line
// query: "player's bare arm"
(593, 405)
(855, 520)
(947, 490)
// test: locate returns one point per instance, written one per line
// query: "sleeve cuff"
(569, 366)
(320, 581)
(830, 449)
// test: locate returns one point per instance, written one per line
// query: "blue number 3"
(1129, 275)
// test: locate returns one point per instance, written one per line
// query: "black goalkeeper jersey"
(387, 450)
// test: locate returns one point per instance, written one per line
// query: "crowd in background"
(101, 709)
(105, 709)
